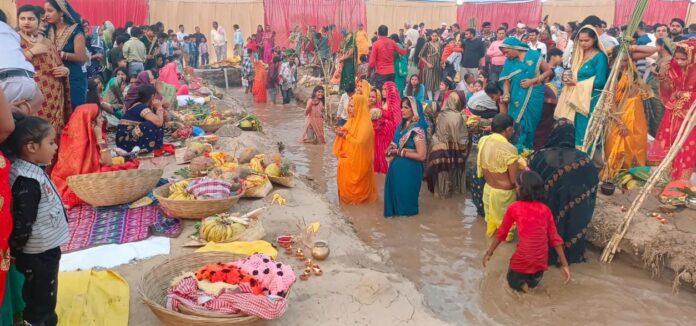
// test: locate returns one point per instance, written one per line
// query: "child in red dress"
(537, 232)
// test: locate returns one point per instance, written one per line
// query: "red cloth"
(382, 56)
(78, 152)
(5, 221)
(166, 149)
(97, 12)
(537, 232)
(386, 125)
(130, 165)
(449, 49)
(282, 15)
(529, 12)
(658, 11)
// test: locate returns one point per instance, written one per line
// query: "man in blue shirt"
(238, 41)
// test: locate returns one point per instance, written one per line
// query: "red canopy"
(283, 15)
(529, 12)
(99, 11)
(658, 11)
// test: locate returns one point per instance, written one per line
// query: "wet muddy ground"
(441, 249)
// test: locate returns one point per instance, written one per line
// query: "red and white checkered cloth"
(228, 301)
(209, 188)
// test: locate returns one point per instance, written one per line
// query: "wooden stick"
(685, 130)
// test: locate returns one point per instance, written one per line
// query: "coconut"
(247, 154)
(199, 165)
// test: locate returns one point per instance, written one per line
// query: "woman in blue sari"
(142, 124)
(65, 30)
(590, 69)
(522, 82)
(408, 150)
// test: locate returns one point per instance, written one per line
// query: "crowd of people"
(413, 105)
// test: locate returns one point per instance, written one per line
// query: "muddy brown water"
(441, 249)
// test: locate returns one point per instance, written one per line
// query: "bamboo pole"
(686, 128)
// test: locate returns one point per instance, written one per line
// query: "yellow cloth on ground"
(247, 248)
(495, 154)
(495, 203)
(92, 298)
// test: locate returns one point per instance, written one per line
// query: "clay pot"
(607, 188)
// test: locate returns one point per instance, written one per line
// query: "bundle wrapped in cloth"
(255, 286)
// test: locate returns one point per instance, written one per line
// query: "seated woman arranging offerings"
(142, 124)
(83, 138)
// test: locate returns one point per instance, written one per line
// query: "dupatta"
(403, 133)
(78, 152)
(355, 177)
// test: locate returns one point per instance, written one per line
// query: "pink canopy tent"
(658, 11)
(497, 12)
(99, 11)
(283, 15)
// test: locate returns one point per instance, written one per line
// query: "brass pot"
(320, 250)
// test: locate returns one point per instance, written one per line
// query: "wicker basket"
(114, 188)
(211, 128)
(193, 209)
(155, 283)
(287, 181)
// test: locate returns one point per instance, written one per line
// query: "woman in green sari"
(349, 58)
(400, 66)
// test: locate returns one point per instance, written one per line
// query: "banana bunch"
(220, 228)
(256, 163)
(211, 120)
(177, 191)
(278, 199)
(255, 180)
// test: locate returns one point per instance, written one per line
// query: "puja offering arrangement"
(254, 286)
(222, 227)
(216, 187)
(250, 123)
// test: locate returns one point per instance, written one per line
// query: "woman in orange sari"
(678, 90)
(354, 148)
(79, 151)
(51, 75)
(259, 89)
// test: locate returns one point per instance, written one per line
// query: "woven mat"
(90, 226)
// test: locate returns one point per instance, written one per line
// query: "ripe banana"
(278, 199)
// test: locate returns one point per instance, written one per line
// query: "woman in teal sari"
(400, 66)
(408, 150)
(349, 58)
(523, 89)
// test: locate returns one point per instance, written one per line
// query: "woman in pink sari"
(314, 118)
(386, 124)
(678, 91)
(268, 44)
(170, 75)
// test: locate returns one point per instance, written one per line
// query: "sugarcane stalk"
(686, 128)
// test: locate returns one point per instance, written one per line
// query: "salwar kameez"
(314, 122)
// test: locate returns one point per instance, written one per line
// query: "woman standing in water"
(570, 184)
(354, 148)
(408, 151)
(314, 118)
(66, 32)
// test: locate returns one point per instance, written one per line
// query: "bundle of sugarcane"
(472, 22)
(685, 130)
(599, 120)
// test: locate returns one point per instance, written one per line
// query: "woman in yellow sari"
(354, 148)
(627, 140)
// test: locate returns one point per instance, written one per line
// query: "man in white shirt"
(342, 111)
(534, 43)
(16, 73)
(219, 40)
(412, 36)
(181, 34)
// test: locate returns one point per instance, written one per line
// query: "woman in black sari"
(571, 182)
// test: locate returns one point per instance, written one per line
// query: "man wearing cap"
(522, 81)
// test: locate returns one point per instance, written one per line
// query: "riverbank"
(358, 287)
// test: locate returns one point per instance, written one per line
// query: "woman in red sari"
(51, 75)
(678, 91)
(385, 125)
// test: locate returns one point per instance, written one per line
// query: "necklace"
(30, 38)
